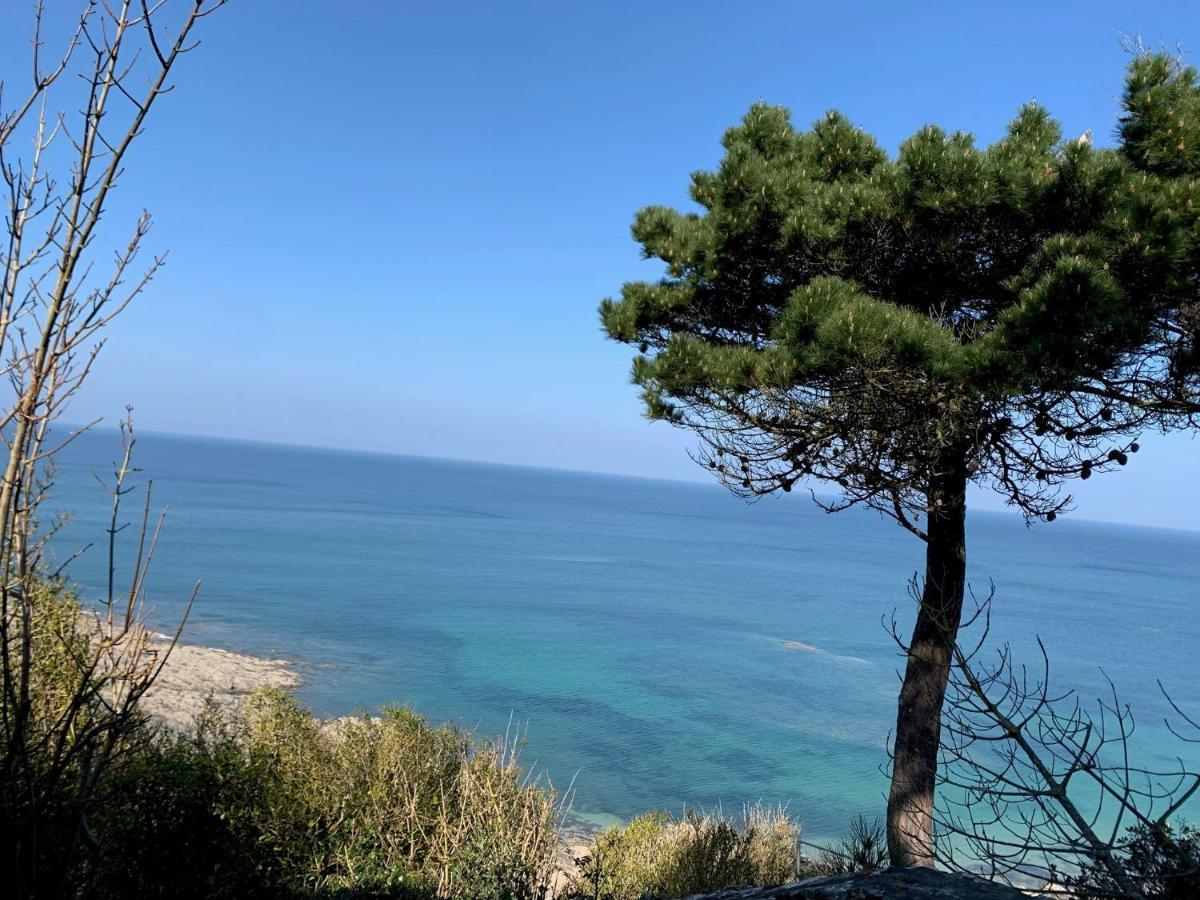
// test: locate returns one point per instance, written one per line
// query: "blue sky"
(390, 223)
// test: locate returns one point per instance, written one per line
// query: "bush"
(178, 817)
(60, 725)
(863, 849)
(657, 856)
(1162, 863)
(279, 804)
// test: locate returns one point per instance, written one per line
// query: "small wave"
(813, 648)
(801, 645)
(594, 560)
(471, 513)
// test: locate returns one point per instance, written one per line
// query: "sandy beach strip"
(193, 674)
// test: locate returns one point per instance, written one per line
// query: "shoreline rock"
(912, 883)
(193, 674)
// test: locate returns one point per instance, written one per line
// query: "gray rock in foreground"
(892, 884)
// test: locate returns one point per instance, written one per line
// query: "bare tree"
(1037, 786)
(54, 306)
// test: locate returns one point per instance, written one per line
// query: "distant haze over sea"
(663, 643)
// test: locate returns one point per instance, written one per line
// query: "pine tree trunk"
(919, 718)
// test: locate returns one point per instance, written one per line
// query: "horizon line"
(101, 424)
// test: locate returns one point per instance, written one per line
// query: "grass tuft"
(656, 856)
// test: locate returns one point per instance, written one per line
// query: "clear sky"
(390, 223)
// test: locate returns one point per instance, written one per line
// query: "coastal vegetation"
(899, 327)
(655, 855)
(904, 326)
(278, 803)
(269, 801)
(1164, 862)
(275, 803)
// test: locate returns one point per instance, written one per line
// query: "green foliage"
(657, 856)
(1160, 131)
(833, 311)
(280, 804)
(1161, 862)
(941, 231)
(58, 658)
(863, 849)
(49, 741)
(180, 817)
(59, 645)
(274, 803)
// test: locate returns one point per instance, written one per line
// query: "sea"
(657, 644)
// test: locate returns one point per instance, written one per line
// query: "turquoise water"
(636, 628)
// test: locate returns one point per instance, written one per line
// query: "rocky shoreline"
(193, 675)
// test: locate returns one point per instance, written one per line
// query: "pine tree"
(900, 327)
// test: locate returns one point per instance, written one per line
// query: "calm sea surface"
(638, 629)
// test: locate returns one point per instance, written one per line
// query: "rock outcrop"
(891, 884)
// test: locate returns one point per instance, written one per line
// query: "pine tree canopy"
(833, 311)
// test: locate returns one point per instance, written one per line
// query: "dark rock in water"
(892, 884)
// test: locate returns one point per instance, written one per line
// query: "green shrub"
(178, 817)
(57, 734)
(655, 855)
(863, 849)
(624, 861)
(279, 804)
(1161, 862)
(270, 803)
(774, 847)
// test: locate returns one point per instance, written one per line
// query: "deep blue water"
(635, 627)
